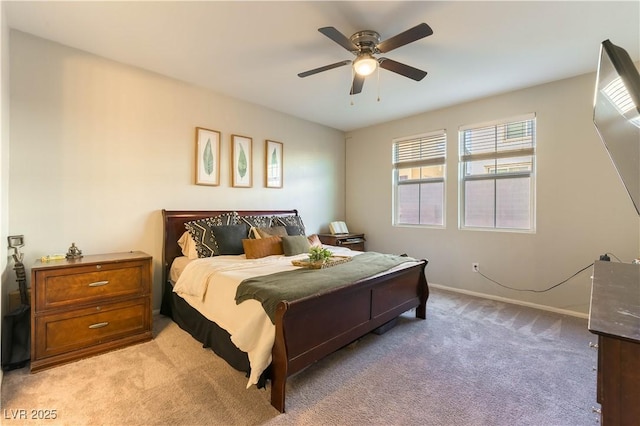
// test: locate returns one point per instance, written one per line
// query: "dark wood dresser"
(614, 316)
(86, 306)
(350, 241)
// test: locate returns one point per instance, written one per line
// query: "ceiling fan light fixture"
(365, 44)
(365, 65)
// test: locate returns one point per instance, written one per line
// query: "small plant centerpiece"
(320, 258)
(319, 254)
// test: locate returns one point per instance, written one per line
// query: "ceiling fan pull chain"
(353, 74)
(378, 69)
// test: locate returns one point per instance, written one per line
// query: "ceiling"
(254, 50)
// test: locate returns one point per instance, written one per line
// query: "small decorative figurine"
(74, 252)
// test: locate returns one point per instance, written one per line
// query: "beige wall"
(98, 148)
(582, 207)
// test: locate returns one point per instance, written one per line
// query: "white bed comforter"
(209, 285)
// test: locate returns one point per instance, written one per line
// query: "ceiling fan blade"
(358, 82)
(325, 68)
(339, 38)
(406, 37)
(402, 69)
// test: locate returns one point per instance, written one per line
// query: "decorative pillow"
(294, 230)
(228, 238)
(257, 248)
(314, 240)
(295, 244)
(188, 246)
(290, 221)
(279, 231)
(256, 221)
(200, 231)
(253, 233)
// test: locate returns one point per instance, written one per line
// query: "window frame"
(439, 137)
(497, 155)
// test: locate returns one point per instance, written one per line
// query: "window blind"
(499, 140)
(423, 150)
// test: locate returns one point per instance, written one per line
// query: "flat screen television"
(616, 114)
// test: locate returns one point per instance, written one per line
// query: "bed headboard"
(173, 227)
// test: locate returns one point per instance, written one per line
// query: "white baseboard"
(512, 301)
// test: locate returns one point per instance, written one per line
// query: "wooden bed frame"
(313, 327)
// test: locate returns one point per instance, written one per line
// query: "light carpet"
(471, 362)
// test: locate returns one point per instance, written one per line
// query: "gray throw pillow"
(229, 238)
(273, 231)
(295, 244)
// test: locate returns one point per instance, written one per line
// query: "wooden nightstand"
(88, 306)
(350, 241)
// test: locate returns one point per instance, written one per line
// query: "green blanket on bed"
(299, 283)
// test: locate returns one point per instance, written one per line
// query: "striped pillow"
(202, 233)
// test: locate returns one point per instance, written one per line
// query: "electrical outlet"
(475, 266)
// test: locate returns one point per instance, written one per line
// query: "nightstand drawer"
(352, 244)
(73, 330)
(58, 288)
(350, 241)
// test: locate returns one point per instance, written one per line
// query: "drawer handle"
(98, 283)
(99, 325)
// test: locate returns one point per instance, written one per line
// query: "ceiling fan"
(365, 44)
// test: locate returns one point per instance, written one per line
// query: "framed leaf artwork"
(273, 164)
(207, 157)
(241, 161)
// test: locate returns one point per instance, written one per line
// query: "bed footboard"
(311, 328)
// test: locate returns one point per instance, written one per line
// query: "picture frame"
(273, 164)
(241, 161)
(207, 157)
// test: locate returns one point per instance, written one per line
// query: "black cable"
(615, 257)
(537, 291)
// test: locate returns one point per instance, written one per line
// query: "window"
(497, 178)
(418, 179)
